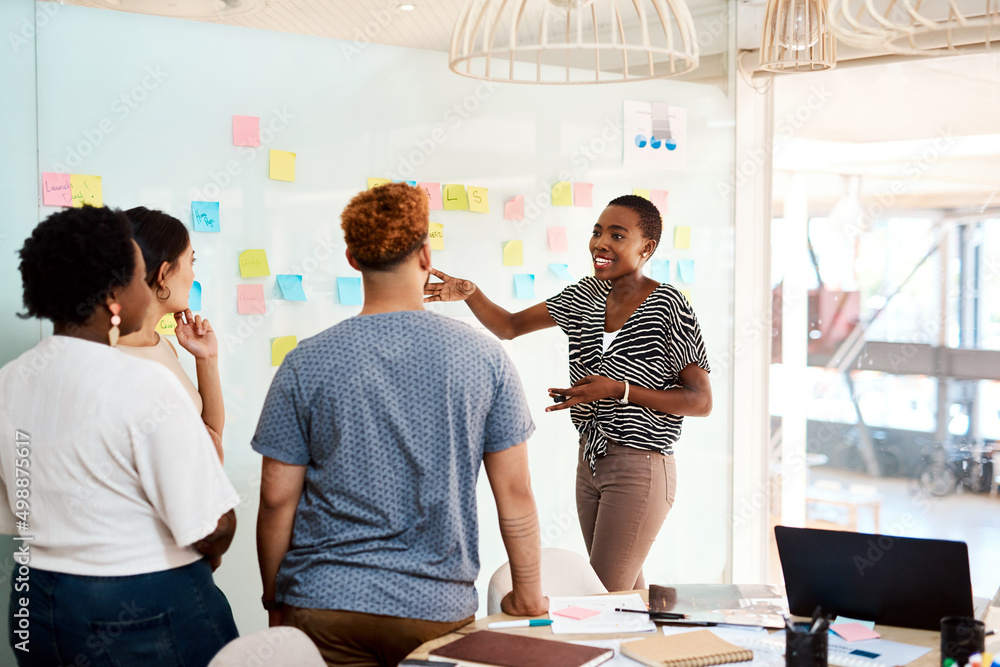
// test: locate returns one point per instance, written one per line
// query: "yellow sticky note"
(166, 325)
(513, 253)
(478, 201)
(437, 236)
(455, 198)
(562, 194)
(372, 182)
(687, 294)
(644, 193)
(253, 263)
(282, 166)
(682, 237)
(86, 190)
(280, 347)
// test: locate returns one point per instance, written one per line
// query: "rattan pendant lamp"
(796, 37)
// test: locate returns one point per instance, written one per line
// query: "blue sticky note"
(659, 270)
(562, 270)
(412, 184)
(685, 270)
(205, 215)
(349, 290)
(194, 296)
(524, 286)
(291, 287)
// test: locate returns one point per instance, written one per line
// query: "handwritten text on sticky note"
(455, 198)
(56, 190)
(253, 263)
(166, 325)
(433, 191)
(291, 287)
(86, 190)
(250, 299)
(205, 216)
(436, 233)
(478, 200)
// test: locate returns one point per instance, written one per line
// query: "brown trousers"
(622, 509)
(365, 640)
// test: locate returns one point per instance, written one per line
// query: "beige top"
(163, 353)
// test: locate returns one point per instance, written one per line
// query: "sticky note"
(562, 194)
(455, 198)
(853, 632)
(246, 131)
(514, 208)
(56, 190)
(478, 200)
(433, 194)
(687, 294)
(685, 270)
(682, 237)
(659, 199)
(524, 286)
(250, 299)
(562, 270)
(868, 624)
(583, 194)
(280, 347)
(641, 192)
(194, 296)
(166, 325)
(436, 232)
(513, 253)
(86, 190)
(412, 184)
(282, 166)
(205, 216)
(576, 613)
(375, 182)
(349, 291)
(291, 287)
(659, 270)
(253, 263)
(557, 239)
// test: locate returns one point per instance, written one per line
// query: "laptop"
(901, 581)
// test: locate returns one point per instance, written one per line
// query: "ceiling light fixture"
(796, 37)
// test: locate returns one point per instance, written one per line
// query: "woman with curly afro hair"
(110, 473)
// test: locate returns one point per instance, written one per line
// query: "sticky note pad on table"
(250, 299)
(166, 325)
(682, 237)
(436, 232)
(433, 191)
(253, 263)
(375, 182)
(455, 198)
(513, 253)
(194, 296)
(349, 291)
(557, 239)
(291, 287)
(659, 270)
(641, 192)
(56, 190)
(280, 347)
(205, 216)
(246, 131)
(524, 286)
(478, 200)
(282, 166)
(853, 632)
(562, 270)
(86, 190)
(514, 208)
(659, 199)
(576, 613)
(685, 270)
(583, 194)
(562, 194)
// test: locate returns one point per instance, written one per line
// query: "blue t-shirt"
(391, 413)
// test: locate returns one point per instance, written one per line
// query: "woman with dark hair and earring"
(166, 249)
(638, 366)
(106, 471)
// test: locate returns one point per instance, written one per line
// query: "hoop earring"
(114, 332)
(162, 298)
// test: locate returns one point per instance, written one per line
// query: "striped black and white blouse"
(654, 345)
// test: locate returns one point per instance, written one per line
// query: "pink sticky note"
(56, 190)
(557, 239)
(246, 131)
(576, 613)
(854, 632)
(250, 299)
(659, 199)
(583, 194)
(514, 209)
(434, 192)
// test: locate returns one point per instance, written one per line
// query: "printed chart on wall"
(655, 136)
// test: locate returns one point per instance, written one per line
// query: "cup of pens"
(963, 641)
(806, 643)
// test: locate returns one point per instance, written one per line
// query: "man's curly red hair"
(385, 225)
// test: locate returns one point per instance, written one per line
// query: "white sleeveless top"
(163, 353)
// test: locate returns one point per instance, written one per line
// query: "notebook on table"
(496, 649)
(692, 649)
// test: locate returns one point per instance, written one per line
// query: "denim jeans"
(174, 617)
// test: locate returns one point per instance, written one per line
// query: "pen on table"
(666, 615)
(526, 623)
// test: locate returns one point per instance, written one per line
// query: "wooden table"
(927, 638)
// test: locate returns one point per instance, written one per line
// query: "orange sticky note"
(583, 194)
(557, 239)
(250, 299)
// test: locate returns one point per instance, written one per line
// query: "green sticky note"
(455, 198)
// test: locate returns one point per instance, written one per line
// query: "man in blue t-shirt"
(372, 433)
